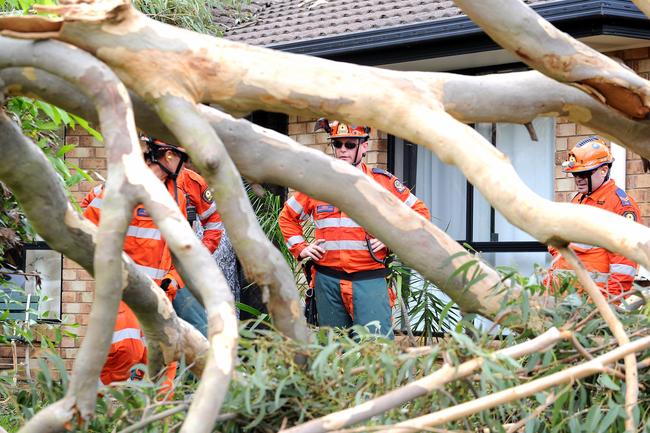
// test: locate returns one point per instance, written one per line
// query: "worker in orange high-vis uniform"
(350, 284)
(127, 350)
(590, 163)
(144, 243)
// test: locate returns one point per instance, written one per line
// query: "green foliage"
(195, 15)
(269, 389)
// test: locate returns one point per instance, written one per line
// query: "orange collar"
(605, 189)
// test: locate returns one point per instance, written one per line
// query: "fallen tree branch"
(447, 373)
(262, 262)
(541, 46)
(222, 323)
(615, 325)
(595, 366)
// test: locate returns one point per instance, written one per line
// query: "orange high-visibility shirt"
(200, 196)
(612, 272)
(143, 242)
(345, 240)
(127, 347)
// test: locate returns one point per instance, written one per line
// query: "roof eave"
(577, 17)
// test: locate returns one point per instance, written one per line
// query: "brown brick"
(70, 264)
(644, 66)
(68, 342)
(305, 139)
(583, 130)
(561, 143)
(298, 128)
(100, 152)
(92, 163)
(71, 139)
(71, 308)
(81, 152)
(69, 274)
(565, 185)
(639, 181)
(67, 297)
(566, 129)
(634, 166)
(75, 286)
(636, 53)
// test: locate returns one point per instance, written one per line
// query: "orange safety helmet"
(588, 154)
(338, 129)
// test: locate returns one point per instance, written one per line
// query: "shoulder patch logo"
(207, 196)
(381, 171)
(622, 195)
(142, 212)
(630, 215)
(325, 208)
(399, 186)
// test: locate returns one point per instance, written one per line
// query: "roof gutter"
(592, 14)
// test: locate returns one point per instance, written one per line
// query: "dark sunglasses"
(583, 174)
(348, 144)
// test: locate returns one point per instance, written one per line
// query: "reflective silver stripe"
(296, 207)
(156, 274)
(411, 200)
(213, 226)
(345, 245)
(335, 222)
(212, 209)
(96, 203)
(143, 233)
(173, 283)
(294, 240)
(97, 189)
(622, 269)
(583, 246)
(126, 334)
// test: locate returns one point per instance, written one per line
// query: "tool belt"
(352, 276)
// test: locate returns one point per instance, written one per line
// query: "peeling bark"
(543, 47)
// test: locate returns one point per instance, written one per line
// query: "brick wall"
(568, 134)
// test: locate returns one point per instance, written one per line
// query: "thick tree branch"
(194, 132)
(595, 366)
(435, 381)
(251, 78)
(543, 47)
(30, 176)
(262, 262)
(615, 325)
(520, 97)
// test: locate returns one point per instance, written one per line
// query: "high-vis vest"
(200, 196)
(127, 347)
(612, 272)
(345, 241)
(143, 242)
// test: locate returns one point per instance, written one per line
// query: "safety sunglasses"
(583, 174)
(348, 144)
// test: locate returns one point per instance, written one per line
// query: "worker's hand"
(314, 251)
(376, 245)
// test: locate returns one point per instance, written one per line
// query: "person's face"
(346, 150)
(597, 176)
(169, 160)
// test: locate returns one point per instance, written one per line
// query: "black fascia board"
(459, 35)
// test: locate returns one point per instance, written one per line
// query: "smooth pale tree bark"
(252, 78)
(543, 47)
(168, 69)
(131, 181)
(262, 262)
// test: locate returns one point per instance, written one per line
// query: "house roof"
(277, 22)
